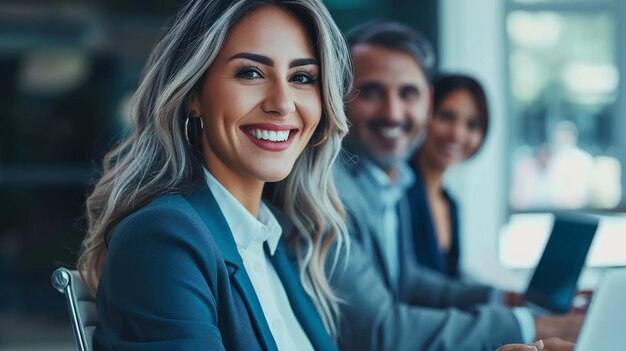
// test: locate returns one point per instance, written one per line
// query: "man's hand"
(550, 344)
(565, 327)
(512, 299)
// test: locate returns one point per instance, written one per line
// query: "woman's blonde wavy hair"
(154, 159)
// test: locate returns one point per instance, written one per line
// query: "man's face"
(389, 105)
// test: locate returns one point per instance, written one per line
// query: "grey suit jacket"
(425, 310)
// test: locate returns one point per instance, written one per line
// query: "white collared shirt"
(250, 234)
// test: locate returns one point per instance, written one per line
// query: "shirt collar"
(245, 227)
(404, 179)
(391, 191)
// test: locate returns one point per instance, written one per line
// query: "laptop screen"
(604, 324)
(554, 282)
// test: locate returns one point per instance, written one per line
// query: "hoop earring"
(188, 139)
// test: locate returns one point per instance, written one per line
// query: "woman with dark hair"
(456, 130)
(181, 251)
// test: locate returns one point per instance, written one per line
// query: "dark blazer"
(174, 280)
(427, 247)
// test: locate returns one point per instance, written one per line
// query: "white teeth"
(271, 135)
(391, 132)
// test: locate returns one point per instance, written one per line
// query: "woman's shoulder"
(162, 210)
(168, 218)
(156, 248)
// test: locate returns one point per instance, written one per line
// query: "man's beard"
(385, 161)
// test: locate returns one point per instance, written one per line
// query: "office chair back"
(80, 304)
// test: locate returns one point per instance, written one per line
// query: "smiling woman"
(456, 131)
(268, 95)
(181, 249)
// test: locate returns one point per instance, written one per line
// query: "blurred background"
(551, 69)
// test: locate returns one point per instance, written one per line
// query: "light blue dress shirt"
(391, 191)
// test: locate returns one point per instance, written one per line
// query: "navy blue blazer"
(427, 247)
(174, 280)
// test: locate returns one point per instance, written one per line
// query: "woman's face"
(454, 133)
(260, 100)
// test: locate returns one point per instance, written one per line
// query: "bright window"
(564, 80)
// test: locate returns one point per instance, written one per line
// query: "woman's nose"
(279, 100)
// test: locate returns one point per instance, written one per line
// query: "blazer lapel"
(284, 262)
(301, 304)
(364, 181)
(423, 229)
(205, 204)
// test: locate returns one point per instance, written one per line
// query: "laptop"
(554, 282)
(605, 324)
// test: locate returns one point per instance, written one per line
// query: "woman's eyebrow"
(302, 62)
(269, 62)
(254, 57)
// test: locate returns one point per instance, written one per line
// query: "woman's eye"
(473, 125)
(248, 73)
(446, 116)
(302, 78)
